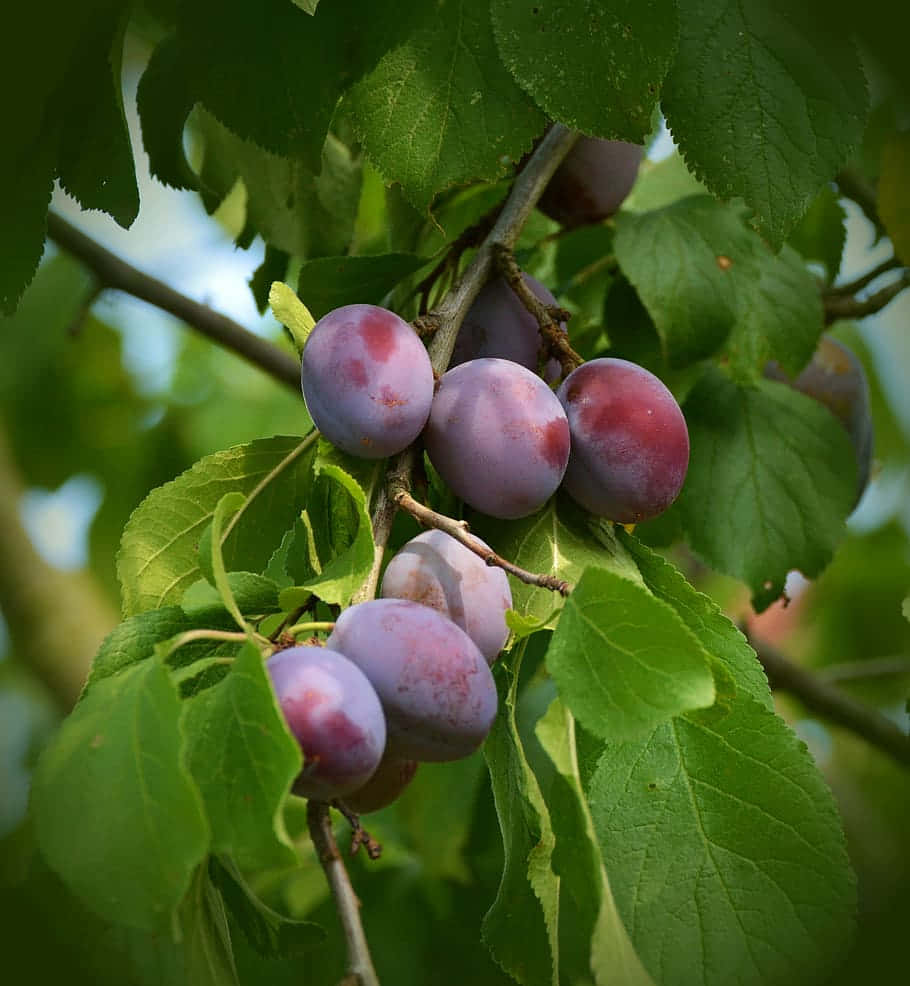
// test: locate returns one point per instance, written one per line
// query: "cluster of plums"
(406, 678)
(503, 441)
(401, 679)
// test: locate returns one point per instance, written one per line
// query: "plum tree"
(434, 684)
(592, 182)
(498, 436)
(836, 378)
(335, 715)
(392, 776)
(367, 380)
(436, 570)
(499, 325)
(630, 443)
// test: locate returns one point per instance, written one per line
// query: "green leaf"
(244, 761)
(560, 540)
(716, 281)
(112, 797)
(706, 254)
(724, 850)
(330, 282)
(64, 117)
(164, 101)
(893, 201)
(291, 312)
(772, 477)
(623, 660)
(765, 101)
(337, 533)
(208, 957)
(157, 561)
(780, 318)
(252, 594)
(661, 183)
(271, 934)
(227, 507)
(440, 838)
(715, 631)
(296, 210)
(134, 640)
(521, 927)
(595, 65)
(441, 109)
(821, 233)
(905, 608)
(592, 939)
(273, 74)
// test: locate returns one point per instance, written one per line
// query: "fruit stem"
(459, 530)
(302, 627)
(360, 964)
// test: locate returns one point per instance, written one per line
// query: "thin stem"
(851, 287)
(831, 703)
(360, 964)
(458, 529)
(189, 636)
(557, 342)
(263, 483)
(849, 307)
(113, 272)
(875, 667)
(312, 626)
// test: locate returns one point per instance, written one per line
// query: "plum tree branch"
(837, 307)
(360, 964)
(115, 273)
(831, 703)
(526, 190)
(851, 287)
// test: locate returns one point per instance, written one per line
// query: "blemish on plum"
(355, 372)
(555, 442)
(390, 398)
(379, 334)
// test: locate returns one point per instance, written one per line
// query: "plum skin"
(367, 380)
(836, 378)
(592, 181)
(630, 443)
(436, 570)
(334, 714)
(435, 686)
(498, 437)
(498, 324)
(385, 786)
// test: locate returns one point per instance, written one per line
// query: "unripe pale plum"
(836, 378)
(499, 325)
(436, 689)
(334, 714)
(367, 380)
(592, 182)
(391, 778)
(436, 570)
(498, 436)
(630, 443)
